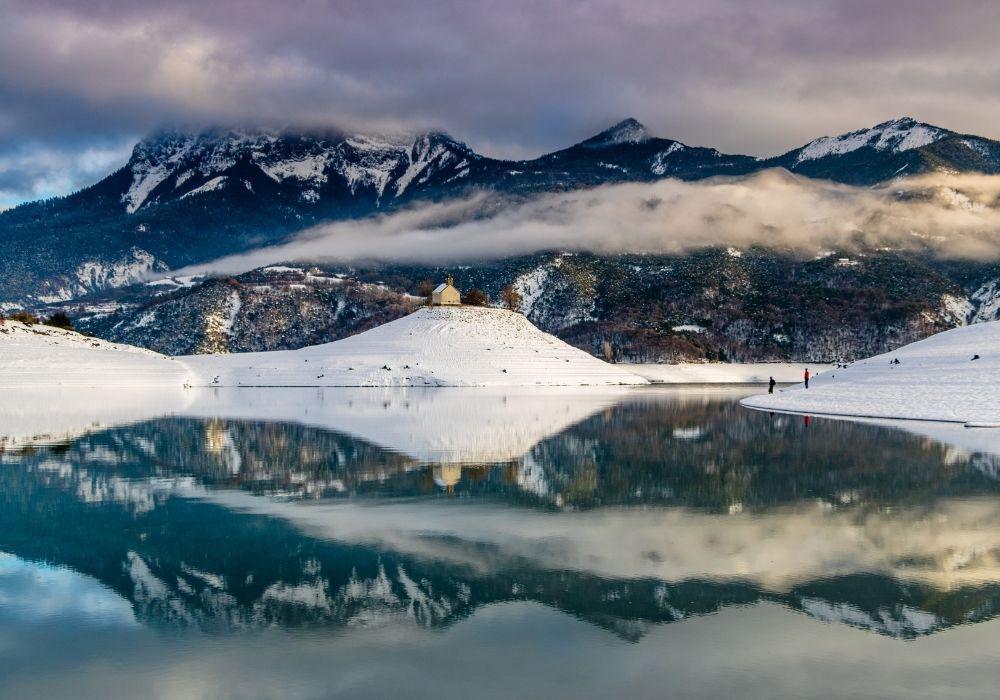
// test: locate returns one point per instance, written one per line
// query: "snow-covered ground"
(442, 346)
(725, 372)
(936, 379)
(39, 356)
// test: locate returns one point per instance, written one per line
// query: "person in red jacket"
(807, 377)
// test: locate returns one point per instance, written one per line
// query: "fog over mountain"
(949, 216)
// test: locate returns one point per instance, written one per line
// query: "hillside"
(274, 308)
(939, 378)
(739, 305)
(43, 357)
(443, 346)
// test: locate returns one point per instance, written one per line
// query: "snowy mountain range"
(185, 197)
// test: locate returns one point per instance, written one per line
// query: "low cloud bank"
(949, 216)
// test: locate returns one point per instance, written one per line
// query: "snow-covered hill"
(934, 379)
(38, 356)
(457, 346)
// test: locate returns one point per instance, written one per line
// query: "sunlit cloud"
(952, 216)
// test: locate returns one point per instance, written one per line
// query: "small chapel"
(446, 294)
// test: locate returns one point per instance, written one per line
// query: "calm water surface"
(486, 544)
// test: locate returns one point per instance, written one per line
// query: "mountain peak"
(895, 135)
(626, 131)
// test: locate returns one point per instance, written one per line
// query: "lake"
(488, 543)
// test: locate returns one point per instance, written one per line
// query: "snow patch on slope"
(661, 160)
(151, 165)
(308, 169)
(97, 274)
(216, 183)
(987, 302)
(420, 157)
(957, 310)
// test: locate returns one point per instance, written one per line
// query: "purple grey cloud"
(512, 78)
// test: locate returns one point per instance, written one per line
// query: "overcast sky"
(81, 81)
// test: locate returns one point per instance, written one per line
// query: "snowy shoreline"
(951, 377)
(468, 347)
(725, 372)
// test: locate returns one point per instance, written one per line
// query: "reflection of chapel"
(446, 294)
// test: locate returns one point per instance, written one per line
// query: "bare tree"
(475, 297)
(59, 320)
(511, 298)
(425, 289)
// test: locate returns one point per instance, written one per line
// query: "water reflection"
(652, 508)
(624, 511)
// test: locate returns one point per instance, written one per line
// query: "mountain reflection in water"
(645, 508)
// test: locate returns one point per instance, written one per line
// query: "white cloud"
(951, 216)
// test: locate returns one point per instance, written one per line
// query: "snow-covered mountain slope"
(41, 356)
(986, 300)
(174, 165)
(897, 136)
(891, 149)
(189, 197)
(758, 306)
(934, 379)
(457, 346)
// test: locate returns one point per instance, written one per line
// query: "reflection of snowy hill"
(429, 425)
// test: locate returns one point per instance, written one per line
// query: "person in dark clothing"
(806, 375)
(770, 386)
